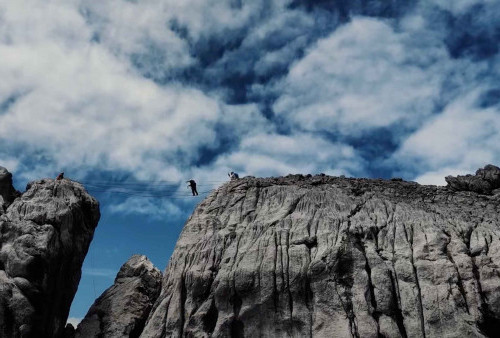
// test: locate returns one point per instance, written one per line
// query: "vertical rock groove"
(409, 239)
(371, 301)
(396, 309)
(460, 283)
(182, 306)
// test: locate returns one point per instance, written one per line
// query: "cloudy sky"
(135, 97)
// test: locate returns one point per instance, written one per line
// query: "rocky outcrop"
(485, 181)
(122, 310)
(7, 191)
(319, 256)
(44, 237)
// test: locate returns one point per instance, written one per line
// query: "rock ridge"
(485, 181)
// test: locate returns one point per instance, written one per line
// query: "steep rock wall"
(44, 237)
(320, 256)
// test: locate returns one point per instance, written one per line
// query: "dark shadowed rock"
(69, 331)
(7, 191)
(319, 256)
(44, 236)
(122, 310)
(485, 181)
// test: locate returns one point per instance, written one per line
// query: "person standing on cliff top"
(60, 177)
(192, 184)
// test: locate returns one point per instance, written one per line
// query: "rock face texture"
(122, 310)
(44, 237)
(485, 181)
(321, 256)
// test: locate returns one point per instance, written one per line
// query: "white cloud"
(77, 98)
(215, 17)
(461, 139)
(154, 207)
(139, 29)
(9, 163)
(83, 104)
(273, 155)
(437, 177)
(364, 75)
(458, 6)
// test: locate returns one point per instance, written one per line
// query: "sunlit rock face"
(45, 234)
(122, 310)
(319, 256)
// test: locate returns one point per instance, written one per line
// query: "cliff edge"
(319, 256)
(45, 234)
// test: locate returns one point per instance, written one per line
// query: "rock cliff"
(44, 237)
(122, 310)
(319, 256)
(7, 191)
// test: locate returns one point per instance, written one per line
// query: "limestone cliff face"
(122, 310)
(44, 237)
(320, 256)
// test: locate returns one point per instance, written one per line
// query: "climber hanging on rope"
(192, 184)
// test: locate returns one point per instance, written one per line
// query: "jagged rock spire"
(122, 310)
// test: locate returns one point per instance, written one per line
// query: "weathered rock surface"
(320, 256)
(485, 181)
(122, 310)
(44, 237)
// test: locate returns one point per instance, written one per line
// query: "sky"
(133, 98)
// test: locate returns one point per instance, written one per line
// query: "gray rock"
(7, 191)
(485, 181)
(122, 310)
(44, 237)
(321, 256)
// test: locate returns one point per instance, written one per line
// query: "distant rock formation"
(44, 237)
(122, 310)
(485, 181)
(319, 256)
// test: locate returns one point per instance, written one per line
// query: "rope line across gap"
(149, 189)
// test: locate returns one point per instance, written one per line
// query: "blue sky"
(136, 97)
